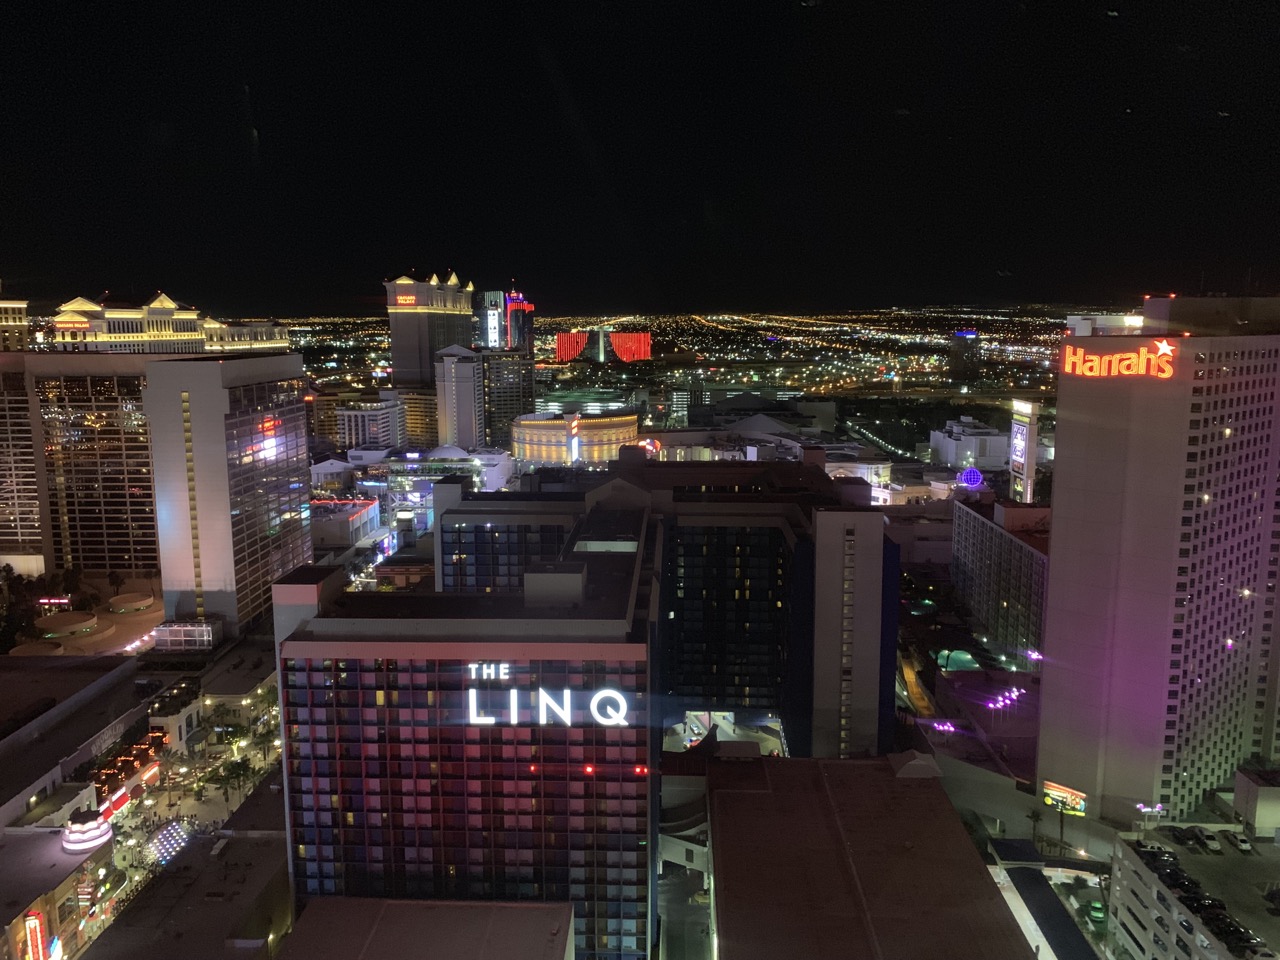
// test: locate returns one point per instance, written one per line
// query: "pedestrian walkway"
(1030, 929)
(1057, 925)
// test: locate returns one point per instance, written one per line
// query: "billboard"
(1022, 451)
(1069, 801)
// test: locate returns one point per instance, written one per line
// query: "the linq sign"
(488, 705)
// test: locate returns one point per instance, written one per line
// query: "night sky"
(282, 159)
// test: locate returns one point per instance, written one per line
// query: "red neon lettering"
(1143, 362)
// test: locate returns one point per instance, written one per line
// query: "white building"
(1157, 678)
(232, 496)
(968, 443)
(160, 326)
(15, 331)
(371, 421)
(460, 397)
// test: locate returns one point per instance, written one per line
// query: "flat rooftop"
(313, 574)
(262, 811)
(239, 672)
(26, 680)
(1237, 879)
(207, 894)
(348, 928)
(846, 858)
(32, 862)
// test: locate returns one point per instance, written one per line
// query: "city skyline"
(785, 156)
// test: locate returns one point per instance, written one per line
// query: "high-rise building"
(602, 345)
(964, 363)
(421, 416)
(426, 317)
(232, 491)
(459, 383)
(15, 329)
(775, 588)
(160, 326)
(21, 464)
(505, 321)
(96, 489)
(371, 421)
(1159, 674)
(1000, 568)
(508, 393)
(477, 748)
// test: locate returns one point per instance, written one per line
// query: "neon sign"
(1143, 362)
(1071, 802)
(406, 299)
(608, 707)
(1018, 445)
(35, 936)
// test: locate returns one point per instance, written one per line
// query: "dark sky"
(282, 159)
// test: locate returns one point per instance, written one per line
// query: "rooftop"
(239, 671)
(846, 858)
(346, 928)
(210, 892)
(1236, 878)
(32, 862)
(26, 681)
(313, 574)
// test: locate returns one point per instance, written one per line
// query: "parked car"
(1200, 905)
(1240, 841)
(1150, 846)
(1206, 839)
(1182, 835)
(1272, 897)
(1260, 953)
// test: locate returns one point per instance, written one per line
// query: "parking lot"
(1238, 878)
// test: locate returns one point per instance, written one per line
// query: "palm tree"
(169, 759)
(264, 738)
(153, 577)
(1035, 816)
(221, 780)
(241, 774)
(116, 580)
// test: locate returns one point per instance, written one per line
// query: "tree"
(264, 738)
(169, 760)
(153, 577)
(117, 580)
(1035, 816)
(241, 774)
(220, 779)
(71, 579)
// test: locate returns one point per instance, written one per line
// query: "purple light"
(1034, 655)
(969, 477)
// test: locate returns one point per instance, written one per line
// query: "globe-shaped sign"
(969, 477)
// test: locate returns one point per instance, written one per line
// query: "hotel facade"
(1159, 677)
(484, 748)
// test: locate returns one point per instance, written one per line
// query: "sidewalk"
(1030, 929)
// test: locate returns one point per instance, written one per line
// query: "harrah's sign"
(1154, 361)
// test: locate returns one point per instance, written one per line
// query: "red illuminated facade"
(629, 347)
(569, 345)
(599, 345)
